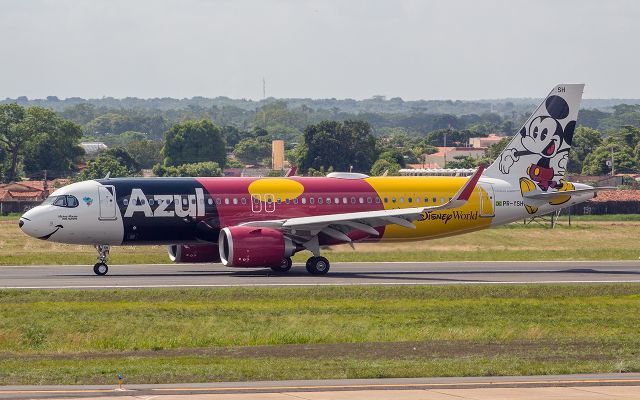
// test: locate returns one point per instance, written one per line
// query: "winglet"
(465, 192)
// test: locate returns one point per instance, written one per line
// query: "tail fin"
(537, 155)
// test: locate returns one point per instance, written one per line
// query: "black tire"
(285, 266)
(100, 269)
(318, 266)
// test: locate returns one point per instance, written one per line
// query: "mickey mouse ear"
(557, 107)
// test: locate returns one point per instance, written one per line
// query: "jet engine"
(194, 253)
(246, 246)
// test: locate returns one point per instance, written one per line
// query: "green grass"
(177, 335)
(614, 239)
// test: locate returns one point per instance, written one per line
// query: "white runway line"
(222, 285)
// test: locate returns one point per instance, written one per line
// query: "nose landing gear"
(101, 268)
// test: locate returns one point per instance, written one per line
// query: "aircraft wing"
(337, 225)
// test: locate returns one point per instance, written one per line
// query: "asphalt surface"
(385, 273)
(588, 386)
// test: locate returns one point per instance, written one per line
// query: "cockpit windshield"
(67, 201)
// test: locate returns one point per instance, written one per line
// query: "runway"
(590, 386)
(341, 274)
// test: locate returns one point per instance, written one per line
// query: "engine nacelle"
(194, 253)
(246, 246)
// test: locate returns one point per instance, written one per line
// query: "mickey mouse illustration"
(544, 137)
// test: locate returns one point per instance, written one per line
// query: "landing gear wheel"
(284, 266)
(100, 269)
(318, 265)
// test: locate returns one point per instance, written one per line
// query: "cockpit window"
(49, 200)
(72, 201)
(61, 201)
(67, 201)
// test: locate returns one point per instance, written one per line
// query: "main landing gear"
(315, 265)
(285, 265)
(318, 265)
(101, 267)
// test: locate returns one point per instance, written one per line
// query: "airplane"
(263, 222)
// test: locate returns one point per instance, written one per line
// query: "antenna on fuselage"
(107, 175)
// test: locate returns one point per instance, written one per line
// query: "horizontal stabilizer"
(549, 196)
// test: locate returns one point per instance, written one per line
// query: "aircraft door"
(487, 200)
(269, 203)
(107, 198)
(256, 203)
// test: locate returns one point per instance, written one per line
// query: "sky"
(414, 49)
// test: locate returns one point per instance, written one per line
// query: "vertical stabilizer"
(536, 158)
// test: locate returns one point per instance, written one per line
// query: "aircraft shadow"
(391, 275)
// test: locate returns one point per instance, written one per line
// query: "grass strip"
(177, 335)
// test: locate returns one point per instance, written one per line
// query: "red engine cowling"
(246, 246)
(194, 253)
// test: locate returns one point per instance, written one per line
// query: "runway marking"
(221, 285)
(346, 386)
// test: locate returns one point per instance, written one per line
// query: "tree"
(340, 145)
(55, 151)
(101, 166)
(51, 134)
(462, 162)
(496, 149)
(383, 165)
(208, 168)
(145, 152)
(623, 159)
(585, 141)
(193, 142)
(124, 158)
(252, 151)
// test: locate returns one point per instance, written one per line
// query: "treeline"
(198, 140)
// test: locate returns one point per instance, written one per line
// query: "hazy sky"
(346, 48)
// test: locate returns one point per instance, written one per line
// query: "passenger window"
(328, 200)
(312, 200)
(435, 200)
(218, 201)
(386, 200)
(256, 201)
(304, 200)
(344, 200)
(410, 199)
(361, 200)
(125, 201)
(337, 200)
(235, 200)
(319, 200)
(243, 201)
(353, 200)
(401, 199)
(442, 200)
(417, 199)
(279, 201)
(295, 201)
(393, 199)
(193, 201)
(378, 200)
(226, 200)
(210, 201)
(369, 200)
